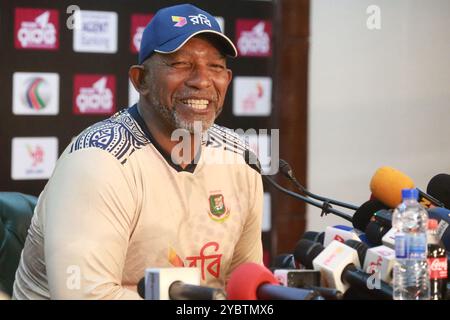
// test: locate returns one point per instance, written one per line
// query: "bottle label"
(410, 246)
(400, 246)
(417, 246)
(437, 268)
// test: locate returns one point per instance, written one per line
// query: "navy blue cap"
(171, 27)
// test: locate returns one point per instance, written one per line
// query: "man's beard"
(177, 121)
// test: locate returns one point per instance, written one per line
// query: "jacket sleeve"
(88, 208)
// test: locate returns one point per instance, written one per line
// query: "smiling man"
(117, 202)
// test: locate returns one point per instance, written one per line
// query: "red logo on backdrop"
(94, 94)
(138, 24)
(254, 37)
(36, 29)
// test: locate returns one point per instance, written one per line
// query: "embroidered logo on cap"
(180, 21)
(200, 19)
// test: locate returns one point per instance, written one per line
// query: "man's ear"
(230, 75)
(137, 77)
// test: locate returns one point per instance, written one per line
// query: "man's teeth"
(197, 103)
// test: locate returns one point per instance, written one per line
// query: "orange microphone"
(387, 184)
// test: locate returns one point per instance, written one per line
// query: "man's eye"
(180, 64)
(218, 67)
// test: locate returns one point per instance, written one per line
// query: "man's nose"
(200, 78)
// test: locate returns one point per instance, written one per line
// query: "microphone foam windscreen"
(362, 216)
(246, 279)
(439, 188)
(387, 184)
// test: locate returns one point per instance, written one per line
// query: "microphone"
(442, 215)
(284, 261)
(251, 281)
(387, 184)
(306, 248)
(176, 284)
(380, 260)
(362, 216)
(314, 236)
(339, 233)
(380, 224)
(439, 187)
(379, 230)
(360, 247)
(253, 162)
(339, 266)
(306, 279)
(287, 171)
(388, 239)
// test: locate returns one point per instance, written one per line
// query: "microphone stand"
(287, 171)
(326, 207)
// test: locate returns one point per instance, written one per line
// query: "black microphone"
(287, 171)
(306, 248)
(179, 290)
(253, 162)
(378, 226)
(284, 261)
(363, 215)
(314, 236)
(360, 247)
(439, 188)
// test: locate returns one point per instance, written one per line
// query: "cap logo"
(180, 21)
(200, 19)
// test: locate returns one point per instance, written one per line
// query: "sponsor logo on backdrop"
(252, 96)
(254, 37)
(35, 93)
(97, 32)
(33, 158)
(36, 29)
(94, 94)
(138, 24)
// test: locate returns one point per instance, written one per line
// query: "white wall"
(376, 97)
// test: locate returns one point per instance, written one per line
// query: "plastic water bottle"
(411, 276)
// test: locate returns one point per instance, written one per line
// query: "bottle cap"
(410, 194)
(432, 224)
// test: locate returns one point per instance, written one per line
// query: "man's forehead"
(201, 43)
